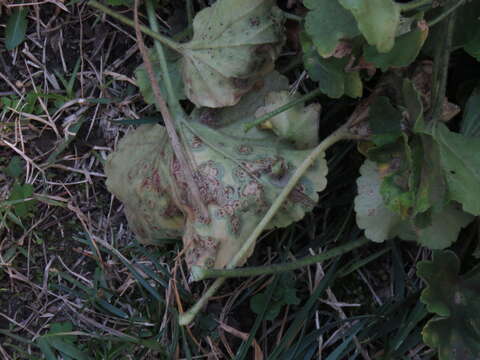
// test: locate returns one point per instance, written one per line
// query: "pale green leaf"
(379, 222)
(16, 27)
(298, 124)
(235, 42)
(377, 20)
(460, 158)
(327, 23)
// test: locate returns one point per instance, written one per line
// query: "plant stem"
(171, 97)
(439, 80)
(341, 133)
(414, 4)
(200, 273)
(281, 109)
(445, 14)
(293, 17)
(163, 39)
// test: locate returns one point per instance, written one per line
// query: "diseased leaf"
(143, 81)
(234, 43)
(471, 115)
(298, 124)
(16, 28)
(377, 20)
(327, 23)
(379, 222)
(404, 52)
(239, 176)
(136, 174)
(460, 158)
(455, 299)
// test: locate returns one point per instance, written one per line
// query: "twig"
(167, 118)
(341, 133)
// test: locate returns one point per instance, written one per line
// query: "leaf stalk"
(414, 4)
(342, 133)
(200, 273)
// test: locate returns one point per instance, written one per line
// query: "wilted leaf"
(16, 28)
(456, 300)
(471, 115)
(327, 23)
(298, 124)
(234, 43)
(403, 53)
(460, 159)
(377, 20)
(143, 81)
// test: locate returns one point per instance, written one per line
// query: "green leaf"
(459, 155)
(235, 42)
(377, 20)
(327, 23)
(455, 299)
(284, 294)
(473, 46)
(15, 167)
(66, 347)
(470, 125)
(20, 192)
(384, 122)
(330, 74)
(298, 124)
(143, 81)
(16, 28)
(404, 52)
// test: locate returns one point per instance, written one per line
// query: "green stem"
(171, 97)
(291, 16)
(281, 109)
(200, 273)
(163, 39)
(440, 75)
(445, 14)
(414, 4)
(341, 133)
(190, 12)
